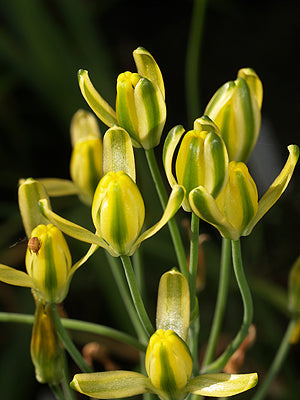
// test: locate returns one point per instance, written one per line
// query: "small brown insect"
(34, 245)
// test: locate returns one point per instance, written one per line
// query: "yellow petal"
(15, 277)
(59, 187)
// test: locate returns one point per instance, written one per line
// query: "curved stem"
(67, 342)
(220, 363)
(277, 362)
(126, 297)
(163, 197)
(77, 325)
(193, 60)
(221, 302)
(136, 297)
(56, 390)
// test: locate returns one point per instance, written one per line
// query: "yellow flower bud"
(140, 109)
(48, 262)
(86, 159)
(46, 351)
(118, 211)
(235, 108)
(168, 364)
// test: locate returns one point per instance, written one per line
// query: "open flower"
(202, 158)
(237, 210)
(48, 264)
(235, 109)
(168, 360)
(140, 102)
(118, 215)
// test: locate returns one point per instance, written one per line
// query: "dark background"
(42, 45)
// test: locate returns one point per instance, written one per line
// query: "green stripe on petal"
(111, 384)
(148, 68)
(167, 378)
(100, 107)
(173, 304)
(118, 152)
(15, 277)
(174, 203)
(205, 207)
(71, 229)
(221, 385)
(170, 145)
(276, 189)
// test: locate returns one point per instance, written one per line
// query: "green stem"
(77, 325)
(56, 390)
(220, 363)
(139, 270)
(163, 197)
(277, 362)
(193, 60)
(194, 250)
(68, 392)
(67, 342)
(136, 297)
(221, 302)
(126, 297)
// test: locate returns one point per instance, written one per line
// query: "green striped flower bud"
(48, 263)
(46, 351)
(168, 364)
(235, 108)
(237, 210)
(86, 159)
(118, 211)
(140, 109)
(294, 288)
(202, 158)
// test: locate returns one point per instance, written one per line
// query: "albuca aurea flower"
(140, 102)
(168, 360)
(236, 210)
(235, 109)
(202, 158)
(48, 264)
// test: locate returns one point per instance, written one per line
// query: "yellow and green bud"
(237, 210)
(294, 288)
(202, 158)
(29, 193)
(86, 159)
(140, 109)
(118, 211)
(168, 364)
(235, 109)
(48, 263)
(46, 350)
(173, 304)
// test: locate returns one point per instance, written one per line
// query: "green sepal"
(148, 68)
(15, 277)
(174, 203)
(111, 384)
(29, 193)
(276, 189)
(100, 107)
(170, 145)
(173, 304)
(59, 187)
(221, 385)
(118, 152)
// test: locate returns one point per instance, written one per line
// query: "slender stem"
(277, 362)
(136, 297)
(193, 60)
(163, 197)
(126, 297)
(139, 270)
(194, 250)
(56, 390)
(221, 302)
(67, 342)
(68, 392)
(220, 363)
(77, 325)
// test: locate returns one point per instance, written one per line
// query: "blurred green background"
(42, 45)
